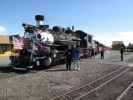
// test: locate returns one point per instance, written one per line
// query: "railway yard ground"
(108, 79)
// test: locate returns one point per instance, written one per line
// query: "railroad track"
(82, 92)
(127, 93)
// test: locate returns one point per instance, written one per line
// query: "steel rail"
(125, 91)
(101, 85)
(88, 84)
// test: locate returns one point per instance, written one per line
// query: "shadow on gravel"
(116, 60)
(21, 71)
(55, 70)
(5, 70)
(9, 69)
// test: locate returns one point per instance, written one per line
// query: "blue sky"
(106, 20)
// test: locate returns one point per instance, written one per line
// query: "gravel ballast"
(47, 84)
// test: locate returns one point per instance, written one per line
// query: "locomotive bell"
(39, 20)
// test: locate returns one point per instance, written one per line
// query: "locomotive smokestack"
(39, 20)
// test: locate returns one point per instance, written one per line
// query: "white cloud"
(104, 38)
(3, 30)
(126, 37)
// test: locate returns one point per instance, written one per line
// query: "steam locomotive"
(40, 45)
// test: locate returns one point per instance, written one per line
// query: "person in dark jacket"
(102, 52)
(121, 52)
(92, 53)
(68, 55)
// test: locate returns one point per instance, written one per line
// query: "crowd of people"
(73, 56)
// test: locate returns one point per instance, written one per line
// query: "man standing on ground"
(102, 52)
(121, 52)
(68, 54)
(92, 53)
